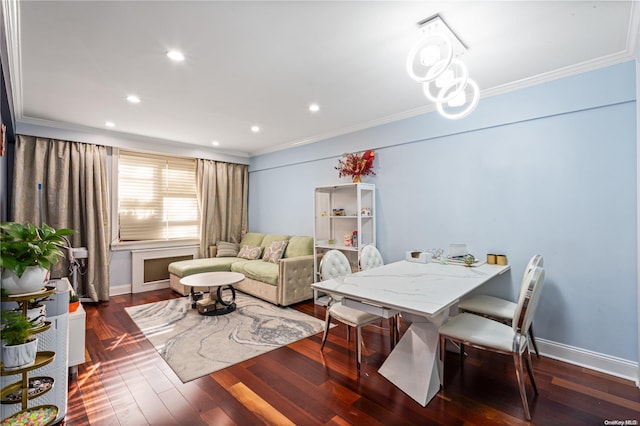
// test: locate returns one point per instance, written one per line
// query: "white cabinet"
(341, 211)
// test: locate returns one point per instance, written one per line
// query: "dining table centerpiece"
(356, 165)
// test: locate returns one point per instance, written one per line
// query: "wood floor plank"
(217, 417)
(258, 406)
(180, 408)
(147, 400)
(124, 381)
(598, 395)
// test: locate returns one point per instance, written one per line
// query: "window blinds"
(156, 197)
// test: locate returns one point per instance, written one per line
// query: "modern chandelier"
(434, 62)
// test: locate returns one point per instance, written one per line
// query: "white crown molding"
(631, 52)
(11, 10)
(430, 107)
(116, 139)
(568, 71)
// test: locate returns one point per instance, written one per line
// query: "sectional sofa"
(277, 268)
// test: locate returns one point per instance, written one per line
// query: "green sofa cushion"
(269, 238)
(253, 239)
(258, 270)
(185, 268)
(299, 246)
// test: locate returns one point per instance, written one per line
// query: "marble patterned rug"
(195, 345)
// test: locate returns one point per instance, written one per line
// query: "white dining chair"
(370, 257)
(334, 264)
(479, 332)
(501, 309)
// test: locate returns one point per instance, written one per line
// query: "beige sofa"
(282, 283)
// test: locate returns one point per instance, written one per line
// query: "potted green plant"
(27, 253)
(19, 347)
(74, 301)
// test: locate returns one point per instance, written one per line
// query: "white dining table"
(423, 293)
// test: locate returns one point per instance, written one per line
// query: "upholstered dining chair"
(334, 264)
(486, 334)
(370, 257)
(501, 309)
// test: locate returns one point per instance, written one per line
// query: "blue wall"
(549, 169)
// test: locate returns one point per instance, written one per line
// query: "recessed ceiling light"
(314, 107)
(215, 143)
(255, 129)
(110, 124)
(175, 55)
(133, 99)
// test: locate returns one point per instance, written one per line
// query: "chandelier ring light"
(461, 77)
(438, 67)
(464, 112)
(435, 53)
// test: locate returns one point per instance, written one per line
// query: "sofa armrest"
(213, 250)
(295, 278)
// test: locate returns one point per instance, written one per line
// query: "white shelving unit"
(51, 361)
(356, 201)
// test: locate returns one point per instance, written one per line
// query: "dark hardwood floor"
(126, 382)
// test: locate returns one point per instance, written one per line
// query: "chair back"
(334, 264)
(528, 301)
(535, 261)
(370, 257)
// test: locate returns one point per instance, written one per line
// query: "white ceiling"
(72, 64)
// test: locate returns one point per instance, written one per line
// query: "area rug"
(195, 345)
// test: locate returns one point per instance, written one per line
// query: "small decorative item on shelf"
(27, 253)
(356, 165)
(20, 347)
(365, 211)
(339, 212)
(348, 240)
(74, 301)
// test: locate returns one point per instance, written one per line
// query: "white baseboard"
(592, 360)
(120, 289)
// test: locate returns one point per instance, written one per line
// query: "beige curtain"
(222, 190)
(74, 195)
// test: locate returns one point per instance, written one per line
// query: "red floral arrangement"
(356, 164)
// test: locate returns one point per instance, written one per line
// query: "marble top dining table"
(423, 293)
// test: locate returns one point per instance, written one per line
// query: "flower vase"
(356, 179)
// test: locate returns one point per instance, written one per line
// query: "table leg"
(414, 364)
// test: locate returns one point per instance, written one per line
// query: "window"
(156, 197)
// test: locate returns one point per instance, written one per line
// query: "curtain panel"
(223, 192)
(75, 195)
